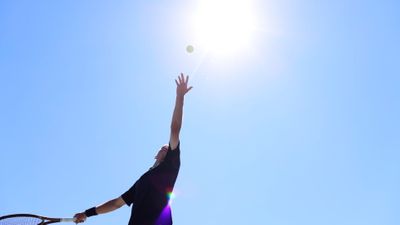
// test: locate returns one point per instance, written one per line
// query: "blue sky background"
(302, 127)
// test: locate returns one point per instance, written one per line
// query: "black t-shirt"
(149, 194)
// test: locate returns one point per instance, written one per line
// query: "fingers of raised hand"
(182, 84)
(182, 79)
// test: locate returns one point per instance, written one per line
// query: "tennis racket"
(31, 219)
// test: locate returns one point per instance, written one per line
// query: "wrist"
(91, 212)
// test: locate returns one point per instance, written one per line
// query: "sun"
(224, 26)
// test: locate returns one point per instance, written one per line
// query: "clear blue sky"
(301, 127)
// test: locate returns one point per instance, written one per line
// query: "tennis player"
(149, 195)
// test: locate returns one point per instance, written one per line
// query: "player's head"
(161, 153)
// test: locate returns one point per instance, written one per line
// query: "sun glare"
(224, 26)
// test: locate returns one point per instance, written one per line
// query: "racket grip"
(68, 220)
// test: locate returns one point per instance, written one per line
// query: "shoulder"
(173, 152)
(172, 148)
(173, 155)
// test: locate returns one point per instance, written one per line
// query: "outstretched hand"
(182, 85)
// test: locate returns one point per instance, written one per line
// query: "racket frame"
(45, 220)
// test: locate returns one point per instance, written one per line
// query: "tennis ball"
(189, 48)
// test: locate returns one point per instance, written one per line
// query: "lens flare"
(170, 196)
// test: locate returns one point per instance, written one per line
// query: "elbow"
(118, 203)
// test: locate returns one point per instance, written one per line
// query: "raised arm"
(176, 124)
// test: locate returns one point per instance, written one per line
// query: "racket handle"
(68, 220)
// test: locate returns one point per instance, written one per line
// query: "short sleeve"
(129, 196)
(172, 150)
(173, 156)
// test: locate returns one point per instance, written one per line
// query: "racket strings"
(21, 221)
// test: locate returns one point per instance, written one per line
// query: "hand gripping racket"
(31, 219)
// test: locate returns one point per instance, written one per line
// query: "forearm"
(108, 206)
(177, 115)
(105, 207)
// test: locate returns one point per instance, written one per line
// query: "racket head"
(27, 219)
